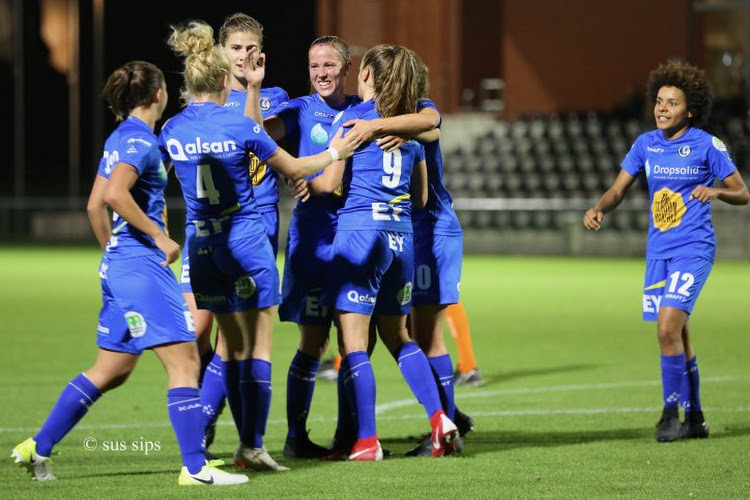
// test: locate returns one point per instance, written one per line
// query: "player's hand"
(254, 69)
(170, 248)
(364, 130)
(704, 194)
(390, 143)
(592, 219)
(345, 144)
(300, 189)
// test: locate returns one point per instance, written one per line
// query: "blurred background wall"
(540, 99)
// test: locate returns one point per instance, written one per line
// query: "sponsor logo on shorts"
(651, 303)
(103, 330)
(245, 287)
(136, 324)
(404, 295)
(353, 296)
(210, 298)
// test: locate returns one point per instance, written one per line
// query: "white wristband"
(334, 154)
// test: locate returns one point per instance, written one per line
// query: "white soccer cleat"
(210, 476)
(38, 466)
(256, 458)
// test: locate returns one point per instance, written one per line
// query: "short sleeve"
(720, 163)
(633, 162)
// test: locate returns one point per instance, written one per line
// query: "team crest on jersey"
(318, 134)
(684, 151)
(136, 324)
(245, 287)
(265, 103)
(667, 209)
(404, 295)
(719, 144)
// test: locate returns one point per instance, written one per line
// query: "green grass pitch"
(568, 409)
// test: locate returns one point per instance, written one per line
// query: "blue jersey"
(265, 190)
(437, 216)
(376, 183)
(135, 144)
(210, 146)
(308, 121)
(679, 226)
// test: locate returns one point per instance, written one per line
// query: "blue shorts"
(270, 221)
(307, 263)
(269, 216)
(142, 306)
(437, 268)
(371, 272)
(675, 282)
(237, 275)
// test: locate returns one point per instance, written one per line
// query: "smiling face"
(671, 112)
(328, 71)
(238, 46)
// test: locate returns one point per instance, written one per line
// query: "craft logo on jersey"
(136, 324)
(667, 209)
(178, 151)
(245, 287)
(318, 134)
(684, 151)
(265, 103)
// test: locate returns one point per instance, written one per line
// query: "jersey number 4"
(204, 184)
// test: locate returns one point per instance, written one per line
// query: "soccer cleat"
(209, 475)
(444, 434)
(464, 422)
(367, 450)
(303, 447)
(694, 426)
(423, 449)
(38, 466)
(668, 427)
(256, 458)
(327, 371)
(471, 378)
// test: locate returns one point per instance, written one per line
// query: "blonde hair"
(395, 79)
(205, 63)
(423, 76)
(239, 22)
(337, 44)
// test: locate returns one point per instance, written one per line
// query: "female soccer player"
(232, 265)
(373, 250)
(239, 36)
(681, 163)
(142, 307)
(311, 230)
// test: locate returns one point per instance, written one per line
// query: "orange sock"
(337, 362)
(458, 323)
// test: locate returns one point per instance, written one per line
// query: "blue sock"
(672, 368)
(417, 372)
(359, 385)
(231, 376)
(346, 427)
(213, 391)
(694, 404)
(255, 383)
(206, 358)
(184, 406)
(300, 385)
(71, 406)
(442, 369)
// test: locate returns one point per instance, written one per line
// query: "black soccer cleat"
(303, 447)
(668, 428)
(464, 422)
(694, 426)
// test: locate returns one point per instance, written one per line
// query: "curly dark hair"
(691, 80)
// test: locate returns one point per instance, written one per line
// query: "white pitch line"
(476, 393)
(479, 393)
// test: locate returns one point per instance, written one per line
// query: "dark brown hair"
(693, 83)
(131, 85)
